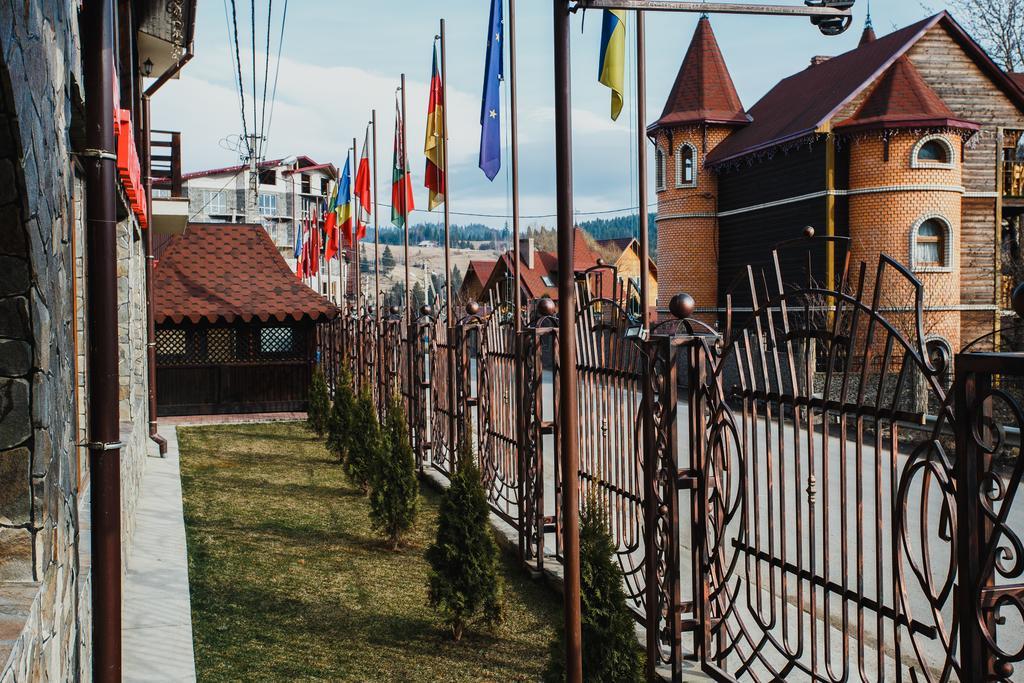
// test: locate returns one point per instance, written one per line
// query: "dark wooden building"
(235, 328)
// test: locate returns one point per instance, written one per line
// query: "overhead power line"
(534, 216)
(241, 83)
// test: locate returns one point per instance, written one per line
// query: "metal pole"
(641, 160)
(568, 412)
(356, 210)
(97, 23)
(444, 171)
(405, 208)
(517, 299)
(376, 221)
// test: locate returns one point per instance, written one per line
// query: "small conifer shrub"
(319, 402)
(611, 653)
(363, 442)
(339, 423)
(394, 497)
(465, 584)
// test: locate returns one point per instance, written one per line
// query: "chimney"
(526, 251)
(820, 59)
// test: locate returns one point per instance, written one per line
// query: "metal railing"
(775, 516)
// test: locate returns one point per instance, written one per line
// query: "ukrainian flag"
(613, 56)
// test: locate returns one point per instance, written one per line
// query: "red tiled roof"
(703, 91)
(483, 268)
(903, 100)
(545, 264)
(227, 272)
(802, 103)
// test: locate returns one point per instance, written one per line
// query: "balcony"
(170, 206)
(1013, 166)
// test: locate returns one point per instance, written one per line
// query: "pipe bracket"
(98, 154)
(103, 445)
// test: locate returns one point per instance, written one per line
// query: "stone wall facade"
(45, 605)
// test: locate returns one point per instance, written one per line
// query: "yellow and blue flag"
(613, 56)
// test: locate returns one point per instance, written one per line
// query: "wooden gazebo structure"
(235, 330)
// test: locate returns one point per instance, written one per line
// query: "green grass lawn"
(290, 583)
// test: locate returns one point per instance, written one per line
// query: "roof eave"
(905, 123)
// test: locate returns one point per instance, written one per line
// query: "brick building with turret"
(908, 145)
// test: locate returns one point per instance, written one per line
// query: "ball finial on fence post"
(1017, 299)
(546, 307)
(682, 305)
(472, 308)
(394, 310)
(425, 310)
(809, 232)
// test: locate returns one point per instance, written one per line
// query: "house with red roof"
(538, 272)
(288, 191)
(907, 145)
(235, 329)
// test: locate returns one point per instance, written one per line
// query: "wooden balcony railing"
(166, 158)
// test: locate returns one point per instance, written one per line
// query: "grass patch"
(290, 583)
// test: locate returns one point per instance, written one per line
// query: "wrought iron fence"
(779, 511)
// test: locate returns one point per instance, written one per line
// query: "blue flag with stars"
(490, 109)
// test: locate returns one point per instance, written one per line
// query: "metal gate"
(834, 539)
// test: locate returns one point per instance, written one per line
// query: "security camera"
(832, 26)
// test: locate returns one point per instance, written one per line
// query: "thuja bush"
(611, 653)
(319, 402)
(394, 496)
(339, 423)
(364, 441)
(464, 584)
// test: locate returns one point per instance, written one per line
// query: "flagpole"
(444, 171)
(514, 119)
(641, 176)
(567, 381)
(356, 209)
(405, 207)
(376, 221)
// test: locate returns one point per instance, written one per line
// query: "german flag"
(434, 146)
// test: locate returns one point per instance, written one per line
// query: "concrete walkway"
(157, 638)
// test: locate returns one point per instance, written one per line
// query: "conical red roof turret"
(703, 91)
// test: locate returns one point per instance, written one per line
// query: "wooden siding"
(978, 252)
(965, 88)
(748, 238)
(792, 173)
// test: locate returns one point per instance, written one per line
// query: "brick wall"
(687, 228)
(883, 222)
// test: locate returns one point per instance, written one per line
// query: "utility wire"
(277, 66)
(266, 74)
(241, 87)
(252, 16)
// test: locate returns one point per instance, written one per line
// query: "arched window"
(659, 169)
(933, 151)
(930, 245)
(686, 165)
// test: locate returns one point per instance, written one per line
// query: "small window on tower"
(686, 166)
(659, 169)
(931, 245)
(933, 151)
(305, 183)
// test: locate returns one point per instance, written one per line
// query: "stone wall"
(45, 603)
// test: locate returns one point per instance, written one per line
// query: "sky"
(341, 59)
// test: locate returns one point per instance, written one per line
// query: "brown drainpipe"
(97, 30)
(147, 241)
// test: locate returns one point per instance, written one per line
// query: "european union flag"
(490, 108)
